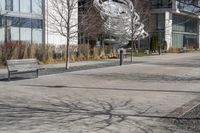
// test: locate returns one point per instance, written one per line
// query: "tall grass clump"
(53, 54)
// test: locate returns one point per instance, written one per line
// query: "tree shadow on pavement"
(76, 115)
(112, 89)
(143, 77)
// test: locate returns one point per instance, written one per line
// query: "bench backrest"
(22, 64)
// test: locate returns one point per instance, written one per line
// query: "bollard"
(159, 50)
(121, 57)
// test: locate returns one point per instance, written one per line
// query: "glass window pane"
(25, 22)
(12, 29)
(37, 36)
(36, 23)
(154, 3)
(185, 24)
(14, 33)
(16, 5)
(2, 30)
(25, 6)
(160, 21)
(166, 3)
(190, 41)
(37, 6)
(1, 21)
(2, 34)
(25, 34)
(177, 40)
(15, 22)
(9, 5)
(2, 4)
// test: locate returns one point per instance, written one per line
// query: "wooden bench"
(22, 66)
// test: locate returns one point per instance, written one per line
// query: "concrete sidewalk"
(61, 65)
(142, 97)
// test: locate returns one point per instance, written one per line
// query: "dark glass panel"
(185, 24)
(36, 23)
(1, 21)
(25, 22)
(9, 5)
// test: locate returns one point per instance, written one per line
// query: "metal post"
(8, 76)
(121, 57)
(132, 51)
(6, 37)
(159, 50)
(45, 13)
(37, 73)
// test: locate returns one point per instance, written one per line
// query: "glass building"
(184, 31)
(176, 22)
(22, 21)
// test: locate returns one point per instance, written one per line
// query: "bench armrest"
(13, 71)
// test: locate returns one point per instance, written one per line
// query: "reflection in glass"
(37, 6)
(177, 40)
(37, 36)
(16, 5)
(9, 5)
(15, 21)
(160, 21)
(14, 33)
(1, 21)
(12, 29)
(2, 34)
(184, 40)
(25, 22)
(36, 23)
(2, 4)
(25, 34)
(25, 6)
(161, 3)
(21, 29)
(185, 24)
(189, 6)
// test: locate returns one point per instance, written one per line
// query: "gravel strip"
(190, 120)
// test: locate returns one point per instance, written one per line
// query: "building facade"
(176, 23)
(56, 20)
(173, 22)
(22, 21)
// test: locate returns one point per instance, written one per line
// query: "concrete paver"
(134, 98)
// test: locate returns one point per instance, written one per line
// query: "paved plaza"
(154, 94)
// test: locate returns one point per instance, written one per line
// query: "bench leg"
(37, 73)
(8, 76)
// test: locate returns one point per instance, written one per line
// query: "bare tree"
(143, 14)
(90, 22)
(63, 20)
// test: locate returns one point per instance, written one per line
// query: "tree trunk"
(132, 50)
(68, 35)
(132, 39)
(67, 56)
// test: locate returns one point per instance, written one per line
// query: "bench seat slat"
(22, 68)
